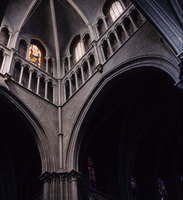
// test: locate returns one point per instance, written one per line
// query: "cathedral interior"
(91, 98)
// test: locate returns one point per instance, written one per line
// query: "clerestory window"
(34, 55)
(79, 50)
(115, 10)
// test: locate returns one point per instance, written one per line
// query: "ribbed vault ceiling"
(35, 17)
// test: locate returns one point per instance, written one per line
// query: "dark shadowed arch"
(37, 133)
(109, 113)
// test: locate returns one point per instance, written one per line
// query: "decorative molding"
(63, 176)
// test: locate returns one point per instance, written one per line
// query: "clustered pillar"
(60, 186)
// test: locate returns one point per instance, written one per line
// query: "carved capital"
(74, 175)
(65, 176)
(45, 177)
(31, 70)
(99, 68)
(13, 51)
(7, 76)
(94, 43)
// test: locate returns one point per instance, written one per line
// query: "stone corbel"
(99, 68)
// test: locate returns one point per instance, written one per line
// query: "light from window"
(34, 55)
(91, 172)
(79, 51)
(115, 10)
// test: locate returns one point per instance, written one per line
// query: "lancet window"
(115, 10)
(34, 55)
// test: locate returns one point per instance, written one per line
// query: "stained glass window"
(134, 188)
(34, 55)
(91, 172)
(115, 10)
(162, 190)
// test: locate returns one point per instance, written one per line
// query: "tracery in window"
(34, 55)
(115, 10)
(79, 50)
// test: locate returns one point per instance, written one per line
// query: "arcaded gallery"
(91, 100)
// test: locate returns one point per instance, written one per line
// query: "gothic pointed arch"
(94, 165)
(36, 54)
(35, 129)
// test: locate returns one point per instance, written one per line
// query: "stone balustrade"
(33, 78)
(113, 38)
(79, 73)
(74, 75)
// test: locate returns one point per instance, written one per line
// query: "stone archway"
(22, 155)
(113, 124)
(157, 165)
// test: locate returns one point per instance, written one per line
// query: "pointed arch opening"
(22, 156)
(36, 54)
(76, 49)
(22, 49)
(4, 36)
(109, 151)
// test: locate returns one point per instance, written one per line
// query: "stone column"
(46, 185)
(7, 62)
(82, 75)
(102, 52)
(61, 187)
(69, 61)
(9, 40)
(63, 67)
(54, 92)
(46, 89)
(5, 55)
(89, 68)
(30, 78)
(46, 190)
(54, 67)
(105, 23)
(47, 63)
(14, 40)
(97, 32)
(97, 58)
(90, 28)
(21, 74)
(66, 191)
(124, 29)
(70, 86)
(60, 139)
(53, 188)
(64, 91)
(76, 78)
(117, 38)
(82, 43)
(73, 176)
(38, 83)
(133, 24)
(110, 48)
